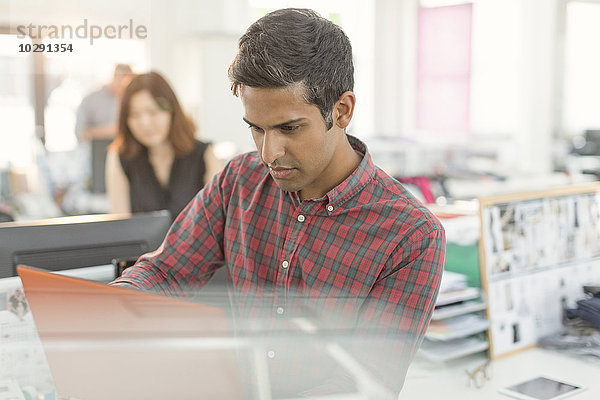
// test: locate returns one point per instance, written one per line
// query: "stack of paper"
(454, 289)
(457, 323)
(456, 327)
(452, 281)
(444, 351)
(452, 310)
(456, 296)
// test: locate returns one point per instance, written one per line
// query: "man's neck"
(354, 159)
(345, 162)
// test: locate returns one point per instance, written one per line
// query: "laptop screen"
(105, 342)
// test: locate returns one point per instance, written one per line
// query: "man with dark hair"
(97, 114)
(308, 212)
(96, 125)
(320, 59)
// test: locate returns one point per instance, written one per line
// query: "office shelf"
(454, 310)
(458, 325)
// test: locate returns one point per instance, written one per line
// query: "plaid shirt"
(368, 239)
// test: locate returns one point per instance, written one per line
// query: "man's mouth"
(280, 172)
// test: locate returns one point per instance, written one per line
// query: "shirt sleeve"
(393, 318)
(398, 309)
(192, 250)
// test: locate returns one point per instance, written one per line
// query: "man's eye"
(289, 128)
(254, 128)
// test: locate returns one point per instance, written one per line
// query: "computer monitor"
(80, 241)
(592, 143)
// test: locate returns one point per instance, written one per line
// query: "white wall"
(538, 120)
(395, 66)
(514, 79)
(193, 43)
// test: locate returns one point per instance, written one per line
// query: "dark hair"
(291, 46)
(181, 133)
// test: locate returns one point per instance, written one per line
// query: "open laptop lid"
(108, 342)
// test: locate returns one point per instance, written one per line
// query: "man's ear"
(343, 109)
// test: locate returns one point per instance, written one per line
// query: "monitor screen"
(80, 241)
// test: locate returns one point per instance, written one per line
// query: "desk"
(430, 381)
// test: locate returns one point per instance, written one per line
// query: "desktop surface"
(426, 380)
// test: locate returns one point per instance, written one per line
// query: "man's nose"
(272, 147)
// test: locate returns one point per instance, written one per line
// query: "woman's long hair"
(181, 132)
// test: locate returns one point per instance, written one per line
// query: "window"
(444, 68)
(581, 107)
(16, 104)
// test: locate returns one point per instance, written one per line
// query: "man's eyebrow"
(292, 121)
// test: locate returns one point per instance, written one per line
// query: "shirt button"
(330, 208)
(271, 354)
(280, 310)
(301, 218)
(285, 264)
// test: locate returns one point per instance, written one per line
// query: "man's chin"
(287, 186)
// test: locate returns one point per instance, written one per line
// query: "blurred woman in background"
(155, 162)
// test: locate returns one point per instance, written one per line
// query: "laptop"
(105, 342)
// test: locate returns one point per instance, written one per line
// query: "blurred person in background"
(155, 162)
(96, 127)
(97, 113)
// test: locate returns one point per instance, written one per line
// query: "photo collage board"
(537, 250)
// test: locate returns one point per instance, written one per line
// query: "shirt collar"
(356, 181)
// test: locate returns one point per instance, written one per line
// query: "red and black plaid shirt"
(368, 238)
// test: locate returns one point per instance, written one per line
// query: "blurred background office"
(476, 97)
(458, 99)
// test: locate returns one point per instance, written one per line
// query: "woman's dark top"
(185, 180)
